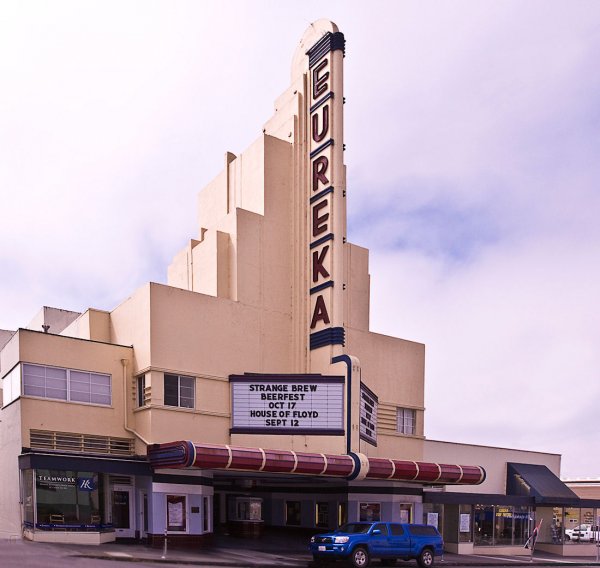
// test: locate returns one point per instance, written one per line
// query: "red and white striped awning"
(185, 454)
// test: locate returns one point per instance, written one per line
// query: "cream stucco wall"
(10, 443)
(493, 459)
(61, 416)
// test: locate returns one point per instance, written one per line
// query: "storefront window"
(176, 513)
(28, 509)
(292, 513)
(521, 520)
(581, 525)
(500, 525)
(248, 509)
(370, 512)
(504, 525)
(483, 524)
(322, 514)
(68, 498)
(205, 514)
(571, 523)
(465, 523)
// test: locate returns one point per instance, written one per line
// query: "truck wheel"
(359, 558)
(426, 558)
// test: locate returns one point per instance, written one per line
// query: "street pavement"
(237, 553)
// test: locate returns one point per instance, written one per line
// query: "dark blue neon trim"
(346, 359)
(321, 148)
(322, 240)
(321, 194)
(356, 460)
(321, 287)
(328, 96)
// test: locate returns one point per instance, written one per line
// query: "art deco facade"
(249, 390)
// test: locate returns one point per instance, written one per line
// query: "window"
(322, 514)
(381, 527)
(370, 512)
(503, 525)
(405, 513)
(176, 509)
(205, 515)
(396, 530)
(141, 388)
(69, 499)
(89, 387)
(179, 391)
(292, 513)
(407, 420)
(66, 384)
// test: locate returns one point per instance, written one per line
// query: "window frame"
(289, 504)
(177, 498)
(406, 421)
(179, 388)
(68, 380)
(141, 390)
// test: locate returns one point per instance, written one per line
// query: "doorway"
(122, 506)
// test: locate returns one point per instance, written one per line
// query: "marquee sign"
(368, 415)
(287, 404)
(325, 147)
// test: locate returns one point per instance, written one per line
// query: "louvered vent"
(387, 419)
(120, 480)
(84, 443)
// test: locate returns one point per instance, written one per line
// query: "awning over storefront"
(77, 462)
(538, 482)
(185, 454)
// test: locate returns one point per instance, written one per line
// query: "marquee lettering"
(320, 313)
(320, 85)
(318, 136)
(319, 169)
(324, 176)
(317, 264)
(318, 221)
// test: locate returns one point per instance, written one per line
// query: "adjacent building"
(249, 390)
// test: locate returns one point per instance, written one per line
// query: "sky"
(472, 131)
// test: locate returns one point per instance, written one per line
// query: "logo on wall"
(86, 484)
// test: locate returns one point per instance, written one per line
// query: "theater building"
(249, 392)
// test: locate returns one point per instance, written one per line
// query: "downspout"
(127, 428)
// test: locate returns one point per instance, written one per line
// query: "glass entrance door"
(122, 511)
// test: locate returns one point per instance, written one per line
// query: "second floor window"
(407, 421)
(141, 390)
(66, 384)
(179, 391)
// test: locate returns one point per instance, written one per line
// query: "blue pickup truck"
(358, 543)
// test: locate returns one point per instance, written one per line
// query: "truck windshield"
(355, 528)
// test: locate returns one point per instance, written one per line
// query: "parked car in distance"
(569, 532)
(361, 542)
(585, 533)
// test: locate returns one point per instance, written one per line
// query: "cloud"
(472, 132)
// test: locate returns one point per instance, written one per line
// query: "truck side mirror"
(376, 531)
